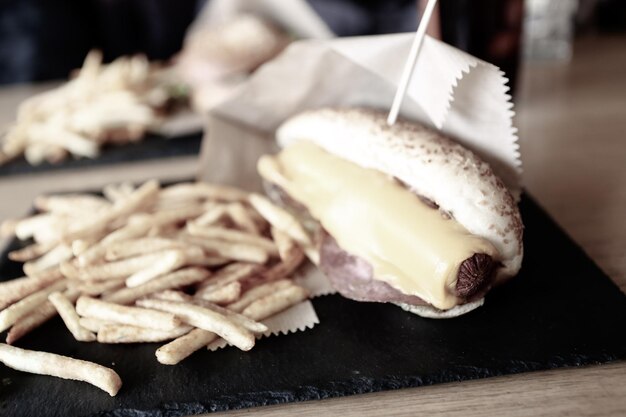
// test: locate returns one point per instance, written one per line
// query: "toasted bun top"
(431, 165)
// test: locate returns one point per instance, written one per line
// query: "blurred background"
(46, 39)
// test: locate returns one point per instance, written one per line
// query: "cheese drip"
(411, 246)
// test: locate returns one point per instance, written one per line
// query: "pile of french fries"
(186, 264)
(103, 104)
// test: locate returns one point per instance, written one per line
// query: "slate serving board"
(153, 146)
(561, 310)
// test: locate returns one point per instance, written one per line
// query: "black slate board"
(151, 147)
(562, 310)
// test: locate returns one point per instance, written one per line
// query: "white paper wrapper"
(300, 317)
(451, 91)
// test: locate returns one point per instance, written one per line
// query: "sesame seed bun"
(431, 165)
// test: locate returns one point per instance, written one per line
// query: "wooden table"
(572, 122)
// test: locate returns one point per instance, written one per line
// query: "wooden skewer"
(407, 73)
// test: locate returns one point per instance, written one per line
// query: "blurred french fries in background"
(103, 104)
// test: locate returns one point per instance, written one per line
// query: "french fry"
(212, 216)
(50, 233)
(180, 348)
(95, 288)
(91, 66)
(134, 316)
(31, 252)
(44, 363)
(242, 219)
(122, 333)
(117, 192)
(235, 251)
(284, 268)
(88, 255)
(259, 220)
(167, 231)
(122, 125)
(231, 273)
(35, 154)
(167, 217)
(206, 319)
(243, 321)
(70, 204)
(141, 246)
(30, 321)
(49, 134)
(167, 261)
(16, 289)
(111, 291)
(92, 324)
(15, 141)
(275, 303)
(255, 293)
(223, 294)
(172, 260)
(137, 226)
(178, 279)
(26, 228)
(270, 170)
(36, 318)
(80, 246)
(56, 256)
(66, 310)
(126, 188)
(206, 260)
(285, 244)
(118, 269)
(171, 205)
(203, 191)
(313, 254)
(234, 236)
(170, 295)
(34, 108)
(139, 198)
(280, 219)
(18, 310)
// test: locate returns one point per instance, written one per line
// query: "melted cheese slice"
(410, 245)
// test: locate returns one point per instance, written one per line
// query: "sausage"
(353, 277)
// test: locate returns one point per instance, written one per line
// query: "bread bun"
(434, 313)
(428, 163)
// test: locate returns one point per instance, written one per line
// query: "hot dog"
(401, 213)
